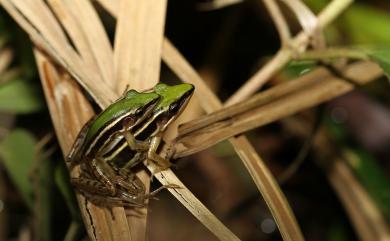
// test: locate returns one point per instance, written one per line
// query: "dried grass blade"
(45, 18)
(194, 205)
(138, 40)
(279, 21)
(137, 59)
(186, 72)
(69, 111)
(255, 101)
(67, 18)
(308, 21)
(368, 221)
(47, 26)
(217, 4)
(262, 177)
(97, 38)
(330, 12)
(323, 87)
(72, 62)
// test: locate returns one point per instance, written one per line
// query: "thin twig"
(279, 21)
(308, 21)
(284, 55)
(332, 53)
(217, 4)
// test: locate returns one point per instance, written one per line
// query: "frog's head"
(173, 100)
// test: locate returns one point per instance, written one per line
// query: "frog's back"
(127, 105)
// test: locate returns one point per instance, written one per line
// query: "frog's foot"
(161, 163)
(171, 150)
(141, 199)
(152, 194)
(130, 183)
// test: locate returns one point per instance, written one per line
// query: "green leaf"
(382, 57)
(365, 24)
(20, 97)
(295, 69)
(17, 153)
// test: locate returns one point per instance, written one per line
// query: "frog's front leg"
(152, 154)
(134, 144)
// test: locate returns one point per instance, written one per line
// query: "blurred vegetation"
(230, 43)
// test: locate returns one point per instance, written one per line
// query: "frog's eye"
(174, 108)
(139, 111)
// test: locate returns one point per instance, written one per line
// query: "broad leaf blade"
(17, 154)
(20, 97)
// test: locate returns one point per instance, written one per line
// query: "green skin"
(99, 180)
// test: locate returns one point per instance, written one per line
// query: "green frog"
(128, 132)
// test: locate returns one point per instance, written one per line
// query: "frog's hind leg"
(131, 183)
(108, 201)
(88, 185)
(104, 174)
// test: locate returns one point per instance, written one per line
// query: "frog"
(131, 127)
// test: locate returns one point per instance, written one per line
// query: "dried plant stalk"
(268, 106)
(284, 55)
(217, 4)
(368, 221)
(260, 174)
(279, 21)
(52, 41)
(137, 59)
(69, 111)
(138, 40)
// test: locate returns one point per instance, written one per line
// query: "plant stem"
(333, 53)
